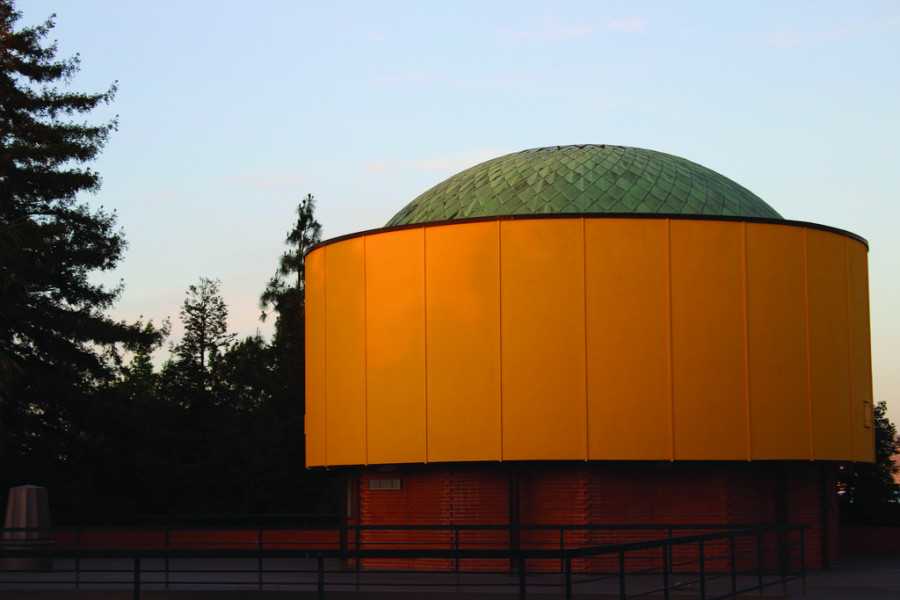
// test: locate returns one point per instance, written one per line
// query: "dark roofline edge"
(575, 215)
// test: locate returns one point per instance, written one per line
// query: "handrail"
(517, 557)
(674, 541)
(461, 553)
(417, 526)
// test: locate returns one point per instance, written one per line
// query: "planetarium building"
(590, 334)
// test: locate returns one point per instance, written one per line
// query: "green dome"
(588, 179)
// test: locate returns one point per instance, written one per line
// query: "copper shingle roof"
(584, 179)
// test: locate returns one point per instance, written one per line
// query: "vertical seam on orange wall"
(868, 390)
(365, 350)
(307, 345)
(850, 388)
(500, 330)
(746, 270)
(425, 330)
(325, 355)
(809, 407)
(587, 404)
(671, 343)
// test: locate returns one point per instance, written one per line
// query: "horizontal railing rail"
(785, 573)
(696, 561)
(406, 527)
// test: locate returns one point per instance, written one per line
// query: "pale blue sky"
(230, 111)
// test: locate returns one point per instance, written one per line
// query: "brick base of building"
(520, 496)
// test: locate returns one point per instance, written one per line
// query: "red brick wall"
(579, 494)
(424, 499)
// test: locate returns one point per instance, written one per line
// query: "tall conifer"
(285, 294)
(53, 321)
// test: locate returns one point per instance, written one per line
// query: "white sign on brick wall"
(384, 484)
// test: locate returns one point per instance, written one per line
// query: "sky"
(230, 111)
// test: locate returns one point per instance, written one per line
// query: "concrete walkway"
(851, 579)
(856, 579)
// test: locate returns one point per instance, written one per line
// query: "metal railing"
(698, 573)
(720, 564)
(351, 535)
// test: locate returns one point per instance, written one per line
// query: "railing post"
(357, 546)
(77, 571)
(357, 566)
(622, 594)
(567, 565)
(454, 546)
(733, 564)
(136, 590)
(166, 558)
(259, 559)
(803, 559)
(784, 556)
(514, 516)
(455, 532)
(671, 549)
(759, 561)
(523, 582)
(701, 558)
(666, 548)
(320, 579)
(562, 546)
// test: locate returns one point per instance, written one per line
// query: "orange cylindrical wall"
(588, 338)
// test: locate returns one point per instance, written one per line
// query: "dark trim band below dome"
(681, 217)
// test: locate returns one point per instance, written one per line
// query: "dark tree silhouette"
(55, 336)
(219, 428)
(285, 288)
(869, 489)
(204, 315)
(192, 375)
(284, 294)
(246, 373)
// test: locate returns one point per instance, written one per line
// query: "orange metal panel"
(629, 391)
(405, 352)
(776, 308)
(543, 343)
(395, 346)
(314, 420)
(829, 345)
(345, 299)
(708, 340)
(462, 274)
(861, 351)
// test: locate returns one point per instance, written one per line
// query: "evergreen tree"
(246, 373)
(284, 294)
(284, 291)
(204, 315)
(280, 419)
(202, 431)
(53, 321)
(869, 489)
(138, 379)
(123, 460)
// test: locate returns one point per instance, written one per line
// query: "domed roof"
(584, 179)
